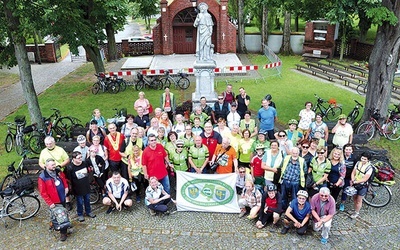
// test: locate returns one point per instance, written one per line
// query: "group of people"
(271, 167)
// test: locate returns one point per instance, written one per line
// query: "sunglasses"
(179, 146)
(306, 147)
(324, 195)
(320, 153)
(242, 172)
(220, 98)
(281, 135)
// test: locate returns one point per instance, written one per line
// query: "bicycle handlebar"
(358, 103)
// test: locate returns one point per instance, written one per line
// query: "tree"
(383, 60)
(145, 9)
(241, 26)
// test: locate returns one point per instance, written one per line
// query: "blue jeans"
(165, 182)
(80, 200)
(286, 187)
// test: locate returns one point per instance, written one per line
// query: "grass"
(64, 50)
(72, 96)
(8, 78)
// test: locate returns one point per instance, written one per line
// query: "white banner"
(206, 192)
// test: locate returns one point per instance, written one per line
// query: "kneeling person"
(298, 213)
(117, 191)
(156, 197)
(323, 208)
(271, 207)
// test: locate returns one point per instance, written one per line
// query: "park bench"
(326, 70)
(363, 71)
(30, 167)
(337, 69)
(316, 72)
(348, 81)
(346, 67)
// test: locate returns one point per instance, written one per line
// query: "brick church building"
(174, 31)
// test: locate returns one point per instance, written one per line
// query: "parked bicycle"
(105, 84)
(389, 128)
(18, 204)
(151, 82)
(180, 80)
(362, 88)
(15, 137)
(119, 118)
(329, 112)
(120, 81)
(353, 115)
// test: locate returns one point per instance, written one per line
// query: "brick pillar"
(223, 31)
(309, 32)
(50, 52)
(166, 29)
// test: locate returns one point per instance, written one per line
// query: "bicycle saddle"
(7, 192)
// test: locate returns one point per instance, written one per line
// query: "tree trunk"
(25, 73)
(95, 57)
(286, 50)
(36, 38)
(363, 25)
(296, 23)
(382, 64)
(111, 46)
(342, 42)
(264, 26)
(242, 46)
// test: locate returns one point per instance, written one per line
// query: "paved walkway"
(44, 76)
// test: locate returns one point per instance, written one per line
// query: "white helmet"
(81, 138)
(350, 191)
(302, 193)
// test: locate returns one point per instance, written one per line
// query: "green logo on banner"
(207, 193)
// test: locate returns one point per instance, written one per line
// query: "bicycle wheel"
(184, 83)
(332, 114)
(94, 194)
(351, 118)
(36, 144)
(23, 207)
(377, 195)
(8, 180)
(366, 128)
(166, 82)
(62, 128)
(96, 88)
(113, 87)
(122, 85)
(392, 130)
(139, 85)
(157, 84)
(362, 89)
(9, 143)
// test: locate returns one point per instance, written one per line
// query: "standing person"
(198, 156)
(245, 149)
(142, 120)
(271, 163)
(128, 126)
(179, 156)
(101, 122)
(359, 180)
(94, 130)
(113, 143)
(179, 126)
(320, 167)
(157, 197)
(229, 96)
(261, 139)
(154, 125)
(306, 117)
(298, 213)
(343, 132)
(168, 103)
(226, 157)
(143, 103)
(248, 123)
(243, 102)
(271, 207)
(126, 149)
(211, 139)
(165, 122)
(154, 160)
(221, 128)
(304, 151)
(241, 179)
(197, 129)
(82, 148)
(188, 137)
(233, 117)
(318, 126)
(220, 109)
(337, 173)
(323, 208)
(135, 170)
(117, 193)
(292, 134)
(101, 151)
(204, 106)
(204, 26)
(78, 175)
(349, 161)
(285, 145)
(267, 116)
(256, 162)
(53, 188)
(97, 163)
(198, 112)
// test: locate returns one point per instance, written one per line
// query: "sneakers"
(324, 241)
(137, 199)
(63, 237)
(91, 215)
(152, 212)
(166, 212)
(341, 207)
(68, 206)
(81, 218)
(284, 230)
(242, 213)
(354, 215)
(110, 209)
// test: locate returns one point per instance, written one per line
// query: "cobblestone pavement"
(376, 228)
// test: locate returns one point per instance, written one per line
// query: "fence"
(276, 63)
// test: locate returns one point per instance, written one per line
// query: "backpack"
(374, 170)
(59, 218)
(23, 184)
(385, 172)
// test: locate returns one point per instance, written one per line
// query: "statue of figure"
(204, 26)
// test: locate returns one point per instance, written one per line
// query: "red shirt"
(256, 165)
(271, 203)
(153, 159)
(113, 154)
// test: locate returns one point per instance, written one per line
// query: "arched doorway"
(185, 34)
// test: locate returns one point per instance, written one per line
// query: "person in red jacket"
(53, 188)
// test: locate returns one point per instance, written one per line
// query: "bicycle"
(119, 118)
(105, 84)
(181, 80)
(18, 205)
(120, 81)
(153, 83)
(353, 115)
(362, 88)
(330, 112)
(389, 129)
(15, 135)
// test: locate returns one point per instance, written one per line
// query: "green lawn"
(8, 78)
(72, 96)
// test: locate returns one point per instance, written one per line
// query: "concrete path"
(44, 76)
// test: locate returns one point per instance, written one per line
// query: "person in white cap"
(82, 147)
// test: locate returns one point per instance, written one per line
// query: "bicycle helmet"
(302, 193)
(268, 97)
(271, 187)
(81, 138)
(293, 121)
(342, 116)
(350, 191)
(260, 146)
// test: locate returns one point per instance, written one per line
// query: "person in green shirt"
(200, 114)
(245, 145)
(198, 156)
(320, 167)
(179, 157)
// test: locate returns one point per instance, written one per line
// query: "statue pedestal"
(204, 72)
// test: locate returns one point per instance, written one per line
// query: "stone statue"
(204, 24)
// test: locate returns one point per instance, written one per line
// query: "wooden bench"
(337, 69)
(78, 131)
(316, 72)
(326, 70)
(31, 168)
(348, 81)
(363, 71)
(68, 146)
(311, 55)
(346, 67)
